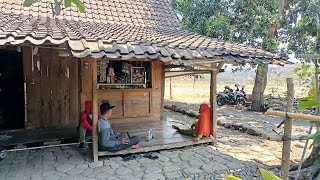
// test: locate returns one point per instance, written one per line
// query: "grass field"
(188, 90)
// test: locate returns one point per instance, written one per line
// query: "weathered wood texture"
(285, 161)
(138, 105)
(213, 104)
(28, 136)
(170, 74)
(94, 111)
(51, 88)
(156, 67)
(163, 84)
(165, 137)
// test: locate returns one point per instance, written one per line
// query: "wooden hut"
(117, 51)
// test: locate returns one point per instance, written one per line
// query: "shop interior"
(123, 74)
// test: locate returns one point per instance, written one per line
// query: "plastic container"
(149, 135)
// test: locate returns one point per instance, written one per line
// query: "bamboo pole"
(94, 111)
(285, 161)
(305, 117)
(303, 154)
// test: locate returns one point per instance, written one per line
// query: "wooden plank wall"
(52, 89)
(138, 105)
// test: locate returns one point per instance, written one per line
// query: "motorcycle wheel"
(241, 101)
(2, 154)
(219, 102)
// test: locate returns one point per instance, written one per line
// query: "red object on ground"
(203, 126)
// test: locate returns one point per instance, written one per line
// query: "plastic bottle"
(150, 134)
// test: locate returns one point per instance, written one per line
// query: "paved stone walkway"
(200, 162)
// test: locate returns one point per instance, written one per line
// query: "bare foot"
(135, 146)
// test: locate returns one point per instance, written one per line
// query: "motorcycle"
(230, 97)
(240, 98)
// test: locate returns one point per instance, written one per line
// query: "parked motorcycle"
(231, 97)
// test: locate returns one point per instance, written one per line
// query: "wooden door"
(11, 90)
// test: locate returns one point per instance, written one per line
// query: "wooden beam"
(305, 117)
(214, 68)
(285, 160)
(309, 56)
(173, 66)
(94, 110)
(220, 65)
(213, 105)
(207, 61)
(156, 147)
(170, 74)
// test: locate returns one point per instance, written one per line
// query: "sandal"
(175, 127)
(151, 155)
(129, 157)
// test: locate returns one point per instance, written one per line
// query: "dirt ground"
(187, 90)
(247, 147)
(237, 144)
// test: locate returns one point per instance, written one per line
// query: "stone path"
(201, 162)
(236, 153)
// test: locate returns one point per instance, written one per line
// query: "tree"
(251, 22)
(302, 33)
(57, 6)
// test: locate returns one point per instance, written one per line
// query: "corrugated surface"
(119, 29)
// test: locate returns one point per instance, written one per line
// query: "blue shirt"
(107, 138)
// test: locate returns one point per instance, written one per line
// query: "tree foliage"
(58, 5)
(250, 22)
(302, 33)
(302, 26)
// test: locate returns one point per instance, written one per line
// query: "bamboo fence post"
(285, 162)
(94, 111)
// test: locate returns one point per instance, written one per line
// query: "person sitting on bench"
(85, 124)
(109, 141)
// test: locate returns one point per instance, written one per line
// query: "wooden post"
(213, 104)
(94, 111)
(285, 162)
(171, 97)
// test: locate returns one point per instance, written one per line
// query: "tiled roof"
(126, 12)
(120, 29)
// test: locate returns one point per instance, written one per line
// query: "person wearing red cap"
(85, 124)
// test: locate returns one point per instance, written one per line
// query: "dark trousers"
(133, 141)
